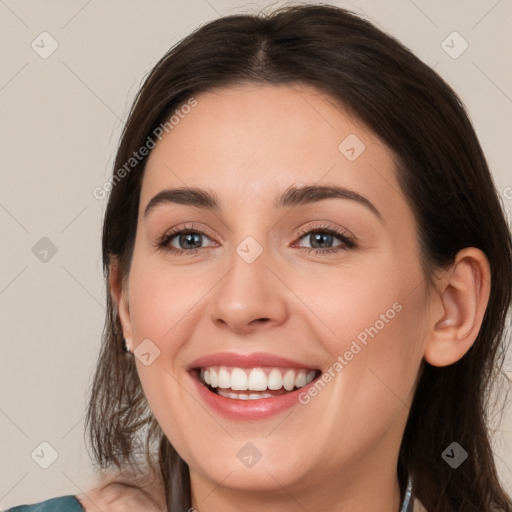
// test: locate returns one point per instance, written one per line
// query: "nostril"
(260, 320)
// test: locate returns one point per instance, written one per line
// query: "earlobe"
(462, 301)
(119, 295)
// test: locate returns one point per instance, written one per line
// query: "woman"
(308, 273)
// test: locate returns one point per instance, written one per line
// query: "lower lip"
(233, 408)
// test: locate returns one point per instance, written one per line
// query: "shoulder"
(119, 497)
(114, 493)
(418, 506)
(59, 504)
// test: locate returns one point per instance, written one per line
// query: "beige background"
(61, 119)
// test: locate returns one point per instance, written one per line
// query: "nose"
(250, 297)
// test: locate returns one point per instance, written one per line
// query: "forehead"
(252, 142)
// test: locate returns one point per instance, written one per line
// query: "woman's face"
(263, 275)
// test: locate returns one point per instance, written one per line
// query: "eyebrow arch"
(293, 196)
(308, 194)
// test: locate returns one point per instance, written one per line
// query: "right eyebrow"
(190, 196)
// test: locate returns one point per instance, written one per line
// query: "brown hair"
(443, 173)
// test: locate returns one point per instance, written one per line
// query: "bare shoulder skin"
(113, 495)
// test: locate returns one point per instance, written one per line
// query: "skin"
(339, 452)
(119, 497)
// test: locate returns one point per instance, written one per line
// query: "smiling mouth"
(254, 383)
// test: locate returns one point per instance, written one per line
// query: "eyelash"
(348, 243)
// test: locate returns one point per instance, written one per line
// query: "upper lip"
(255, 360)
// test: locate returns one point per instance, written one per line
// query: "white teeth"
(300, 380)
(224, 379)
(214, 379)
(244, 396)
(238, 379)
(274, 379)
(255, 379)
(289, 380)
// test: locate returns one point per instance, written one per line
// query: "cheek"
(163, 309)
(161, 301)
(373, 327)
(378, 304)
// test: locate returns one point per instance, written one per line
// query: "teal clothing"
(60, 504)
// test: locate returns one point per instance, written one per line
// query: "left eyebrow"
(293, 196)
(308, 194)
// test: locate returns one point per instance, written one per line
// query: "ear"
(119, 294)
(459, 308)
